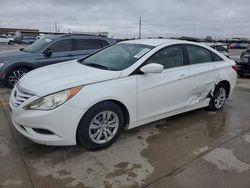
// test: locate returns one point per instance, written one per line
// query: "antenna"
(140, 28)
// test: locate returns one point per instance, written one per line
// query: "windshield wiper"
(96, 65)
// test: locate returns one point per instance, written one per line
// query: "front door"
(61, 51)
(159, 93)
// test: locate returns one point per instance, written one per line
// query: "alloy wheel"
(103, 127)
(220, 98)
(15, 76)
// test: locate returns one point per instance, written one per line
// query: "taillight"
(235, 67)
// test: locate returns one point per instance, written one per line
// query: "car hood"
(53, 78)
(12, 54)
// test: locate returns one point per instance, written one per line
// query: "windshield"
(37, 45)
(117, 57)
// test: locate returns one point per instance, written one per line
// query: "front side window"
(37, 45)
(61, 46)
(117, 57)
(198, 54)
(168, 57)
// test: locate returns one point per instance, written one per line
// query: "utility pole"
(140, 28)
(55, 27)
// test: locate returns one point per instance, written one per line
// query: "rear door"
(202, 73)
(84, 47)
(61, 51)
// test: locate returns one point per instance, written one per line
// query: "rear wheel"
(14, 75)
(100, 126)
(219, 97)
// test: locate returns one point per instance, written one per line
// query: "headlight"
(1, 64)
(54, 100)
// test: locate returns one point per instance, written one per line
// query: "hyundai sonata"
(90, 100)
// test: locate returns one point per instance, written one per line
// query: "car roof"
(157, 42)
(56, 36)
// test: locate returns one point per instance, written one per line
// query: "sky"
(166, 18)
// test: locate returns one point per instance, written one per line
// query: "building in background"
(19, 32)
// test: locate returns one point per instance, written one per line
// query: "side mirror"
(47, 52)
(152, 68)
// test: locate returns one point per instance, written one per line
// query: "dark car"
(47, 50)
(244, 64)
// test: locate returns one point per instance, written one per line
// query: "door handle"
(214, 67)
(70, 55)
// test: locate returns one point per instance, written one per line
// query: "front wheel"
(14, 75)
(219, 97)
(11, 42)
(100, 126)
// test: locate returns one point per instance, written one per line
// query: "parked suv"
(47, 50)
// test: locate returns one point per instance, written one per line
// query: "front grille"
(19, 96)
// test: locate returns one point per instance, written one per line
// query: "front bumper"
(54, 127)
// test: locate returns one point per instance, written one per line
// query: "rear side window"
(198, 54)
(61, 46)
(216, 57)
(169, 57)
(86, 44)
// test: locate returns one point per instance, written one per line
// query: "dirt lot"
(195, 149)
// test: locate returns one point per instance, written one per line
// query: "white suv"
(129, 84)
(5, 39)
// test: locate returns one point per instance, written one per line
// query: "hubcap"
(103, 127)
(15, 76)
(220, 99)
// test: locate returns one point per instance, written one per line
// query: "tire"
(11, 42)
(100, 118)
(14, 75)
(219, 97)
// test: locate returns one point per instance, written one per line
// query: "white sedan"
(5, 39)
(90, 100)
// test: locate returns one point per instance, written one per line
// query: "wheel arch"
(124, 110)
(117, 102)
(228, 87)
(19, 65)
